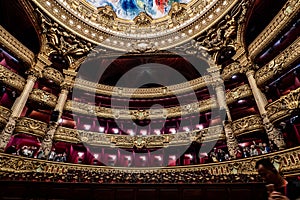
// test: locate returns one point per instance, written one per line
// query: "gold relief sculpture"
(4, 116)
(66, 135)
(53, 74)
(232, 69)
(14, 46)
(83, 19)
(143, 20)
(178, 13)
(275, 27)
(181, 88)
(11, 79)
(287, 161)
(247, 124)
(43, 97)
(31, 127)
(284, 106)
(281, 63)
(238, 93)
(87, 109)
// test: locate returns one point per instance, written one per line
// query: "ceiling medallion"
(180, 22)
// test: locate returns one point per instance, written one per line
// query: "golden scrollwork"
(143, 20)
(84, 19)
(239, 170)
(53, 74)
(284, 106)
(106, 15)
(17, 48)
(181, 88)
(238, 93)
(66, 135)
(247, 124)
(87, 109)
(178, 13)
(11, 79)
(275, 27)
(43, 97)
(31, 127)
(4, 116)
(232, 69)
(281, 63)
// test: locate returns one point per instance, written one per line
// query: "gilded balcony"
(247, 125)
(31, 127)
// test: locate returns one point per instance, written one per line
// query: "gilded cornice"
(289, 11)
(284, 106)
(66, 135)
(213, 133)
(232, 69)
(101, 28)
(181, 88)
(247, 124)
(176, 111)
(43, 97)
(53, 74)
(31, 127)
(4, 116)
(238, 93)
(287, 161)
(11, 79)
(281, 63)
(15, 47)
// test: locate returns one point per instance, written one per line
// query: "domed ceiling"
(129, 9)
(138, 25)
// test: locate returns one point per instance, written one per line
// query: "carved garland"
(53, 74)
(238, 93)
(43, 97)
(31, 127)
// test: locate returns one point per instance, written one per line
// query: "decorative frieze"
(181, 88)
(43, 97)
(247, 124)
(4, 116)
(16, 47)
(53, 74)
(289, 11)
(176, 111)
(11, 79)
(238, 93)
(31, 127)
(232, 69)
(284, 106)
(239, 170)
(66, 135)
(278, 65)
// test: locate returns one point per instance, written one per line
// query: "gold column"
(62, 99)
(261, 101)
(18, 106)
(220, 93)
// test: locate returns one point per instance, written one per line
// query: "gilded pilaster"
(261, 102)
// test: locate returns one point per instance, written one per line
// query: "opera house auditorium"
(149, 99)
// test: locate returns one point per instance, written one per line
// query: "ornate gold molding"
(176, 111)
(279, 64)
(238, 93)
(289, 11)
(232, 69)
(213, 133)
(181, 88)
(31, 127)
(85, 20)
(11, 79)
(247, 124)
(15, 47)
(287, 161)
(4, 116)
(43, 97)
(53, 74)
(66, 135)
(284, 106)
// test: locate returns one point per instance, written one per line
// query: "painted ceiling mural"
(129, 9)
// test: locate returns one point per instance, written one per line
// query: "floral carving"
(247, 124)
(238, 93)
(43, 97)
(31, 127)
(12, 79)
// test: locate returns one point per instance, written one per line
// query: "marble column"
(218, 84)
(18, 106)
(261, 101)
